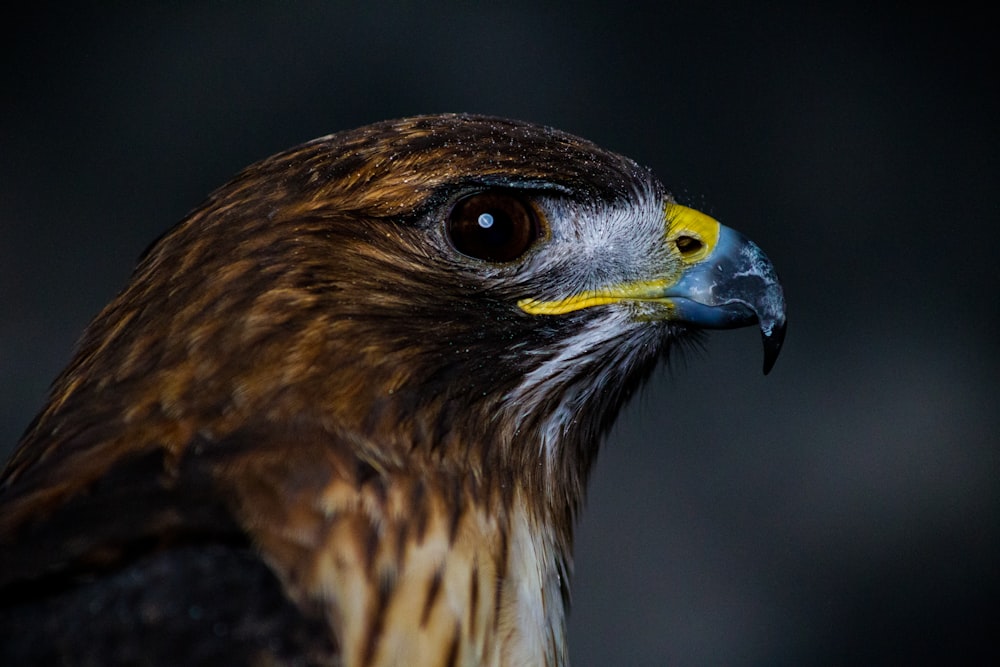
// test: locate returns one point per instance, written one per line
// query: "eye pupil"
(495, 226)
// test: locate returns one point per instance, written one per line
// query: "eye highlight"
(495, 226)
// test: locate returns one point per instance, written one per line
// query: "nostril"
(688, 244)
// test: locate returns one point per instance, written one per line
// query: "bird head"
(462, 291)
(383, 361)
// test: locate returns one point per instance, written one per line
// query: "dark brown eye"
(495, 226)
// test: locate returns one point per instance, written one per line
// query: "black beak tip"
(772, 345)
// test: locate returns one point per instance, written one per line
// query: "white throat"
(532, 614)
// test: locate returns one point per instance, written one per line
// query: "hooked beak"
(724, 281)
(733, 285)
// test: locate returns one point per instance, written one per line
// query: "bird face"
(568, 273)
(636, 271)
(385, 359)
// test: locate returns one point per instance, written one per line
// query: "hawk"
(344, 412)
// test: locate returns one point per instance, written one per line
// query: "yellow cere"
(681, 221)
(684, 221)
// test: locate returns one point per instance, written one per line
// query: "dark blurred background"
(843, 510)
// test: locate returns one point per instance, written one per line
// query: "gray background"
(843, 510)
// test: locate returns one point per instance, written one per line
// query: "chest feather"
(441, 585)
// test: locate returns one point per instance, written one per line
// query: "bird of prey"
(344, 412)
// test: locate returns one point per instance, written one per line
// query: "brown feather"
(304, 367)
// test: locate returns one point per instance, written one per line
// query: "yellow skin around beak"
(725, 281)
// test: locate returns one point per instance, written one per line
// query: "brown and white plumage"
(331, 388)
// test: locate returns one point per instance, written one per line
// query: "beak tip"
(772, 345)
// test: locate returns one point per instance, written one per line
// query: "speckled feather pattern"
(319, 377)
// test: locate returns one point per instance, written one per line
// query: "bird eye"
(494, 226)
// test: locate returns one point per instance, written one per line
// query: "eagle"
(344, 412)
